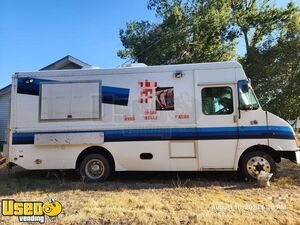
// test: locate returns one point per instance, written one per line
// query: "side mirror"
(245, 88)
(246, 107)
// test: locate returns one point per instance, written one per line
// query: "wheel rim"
(257, 164)
(94, 169)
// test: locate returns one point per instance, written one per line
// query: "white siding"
(4, 110)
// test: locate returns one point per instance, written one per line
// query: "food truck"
(189, 117)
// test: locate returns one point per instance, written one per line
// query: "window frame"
(232, 98)
(70, 82)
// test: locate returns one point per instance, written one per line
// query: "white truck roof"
(129, 70)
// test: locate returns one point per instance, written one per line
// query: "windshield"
(247, 99)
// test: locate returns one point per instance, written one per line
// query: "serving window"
(70, 100)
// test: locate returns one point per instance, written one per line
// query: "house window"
(70, 100)
(217, 101)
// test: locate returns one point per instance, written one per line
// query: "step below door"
(183, 155)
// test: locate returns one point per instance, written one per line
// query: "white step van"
(193, 117)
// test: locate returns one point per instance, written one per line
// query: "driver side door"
(217, 125)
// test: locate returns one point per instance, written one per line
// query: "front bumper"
(294, 156)
(297, 155)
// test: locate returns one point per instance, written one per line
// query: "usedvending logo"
(31, 211)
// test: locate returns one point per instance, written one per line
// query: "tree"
(272, 41)
(189, 32)
(275, 70)
(257, 20)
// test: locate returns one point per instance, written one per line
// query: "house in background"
(67, 62)
(4, 111)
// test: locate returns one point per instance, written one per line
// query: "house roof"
(5, 90)
(67, 62)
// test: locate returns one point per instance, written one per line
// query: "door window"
(217, 101)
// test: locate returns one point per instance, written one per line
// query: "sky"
(35, 33)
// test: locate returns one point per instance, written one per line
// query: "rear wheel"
(95, 168)
(253, 162)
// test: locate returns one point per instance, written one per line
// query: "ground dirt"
(159, 197)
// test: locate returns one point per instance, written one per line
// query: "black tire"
(248, 167)
(101, 170)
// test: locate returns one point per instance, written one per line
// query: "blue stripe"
(266, 132)
(110, 95)
(30, 88)
(115, 95)
(215, 133)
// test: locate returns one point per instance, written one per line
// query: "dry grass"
(161, 198)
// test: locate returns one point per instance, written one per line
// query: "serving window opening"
(70, 100)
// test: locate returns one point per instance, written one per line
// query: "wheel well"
(95, 150)
(267, 149)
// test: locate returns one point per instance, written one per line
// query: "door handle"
(235, 118)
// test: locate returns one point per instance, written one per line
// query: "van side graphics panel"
(69, 138)
(158, 134)
(110, 95)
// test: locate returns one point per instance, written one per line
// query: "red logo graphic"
(148, 91)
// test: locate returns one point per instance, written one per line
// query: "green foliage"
(275, 70)
(193, 31)
(188, 33)
(257, 20)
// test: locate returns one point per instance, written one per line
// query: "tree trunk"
(246, 41)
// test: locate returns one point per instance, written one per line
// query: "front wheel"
(253, 162)
(95, 168)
